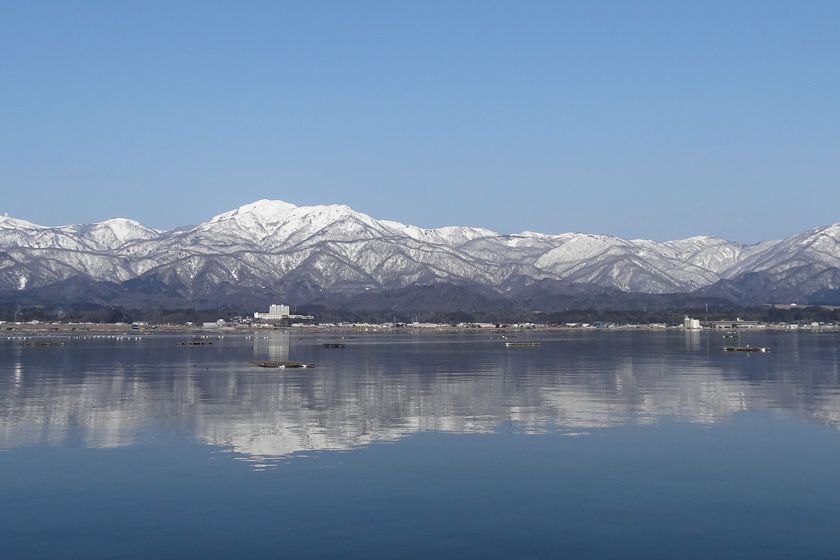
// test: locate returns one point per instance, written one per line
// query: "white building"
(276, 312)
(691, 324)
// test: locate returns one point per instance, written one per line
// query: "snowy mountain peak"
(125, 228)
(13, 223)
(262, 210)
(534, 234)
(832, 231)
(330, 212)
(116, 232)
(447, 235)
(121, 222)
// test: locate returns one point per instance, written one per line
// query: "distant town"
(281, 316)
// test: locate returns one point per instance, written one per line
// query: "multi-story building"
(276, 312)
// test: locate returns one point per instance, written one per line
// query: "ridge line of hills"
(332, 256)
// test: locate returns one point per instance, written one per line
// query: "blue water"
(594, 445)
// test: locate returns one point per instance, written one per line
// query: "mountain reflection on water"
(109, 393)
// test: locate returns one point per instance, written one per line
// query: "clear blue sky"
(640, 119)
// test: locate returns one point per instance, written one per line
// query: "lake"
(613, 444)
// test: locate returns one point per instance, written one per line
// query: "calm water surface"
(594, 445)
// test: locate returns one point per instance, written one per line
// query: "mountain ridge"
(303, 253)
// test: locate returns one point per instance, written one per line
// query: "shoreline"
(10, 330)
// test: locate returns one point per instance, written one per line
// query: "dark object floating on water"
(745, 349)
(196, 343)
(42, 343)
(334, 345)
(522, 344)
(282, 364)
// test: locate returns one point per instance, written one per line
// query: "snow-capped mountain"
(300, 252)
